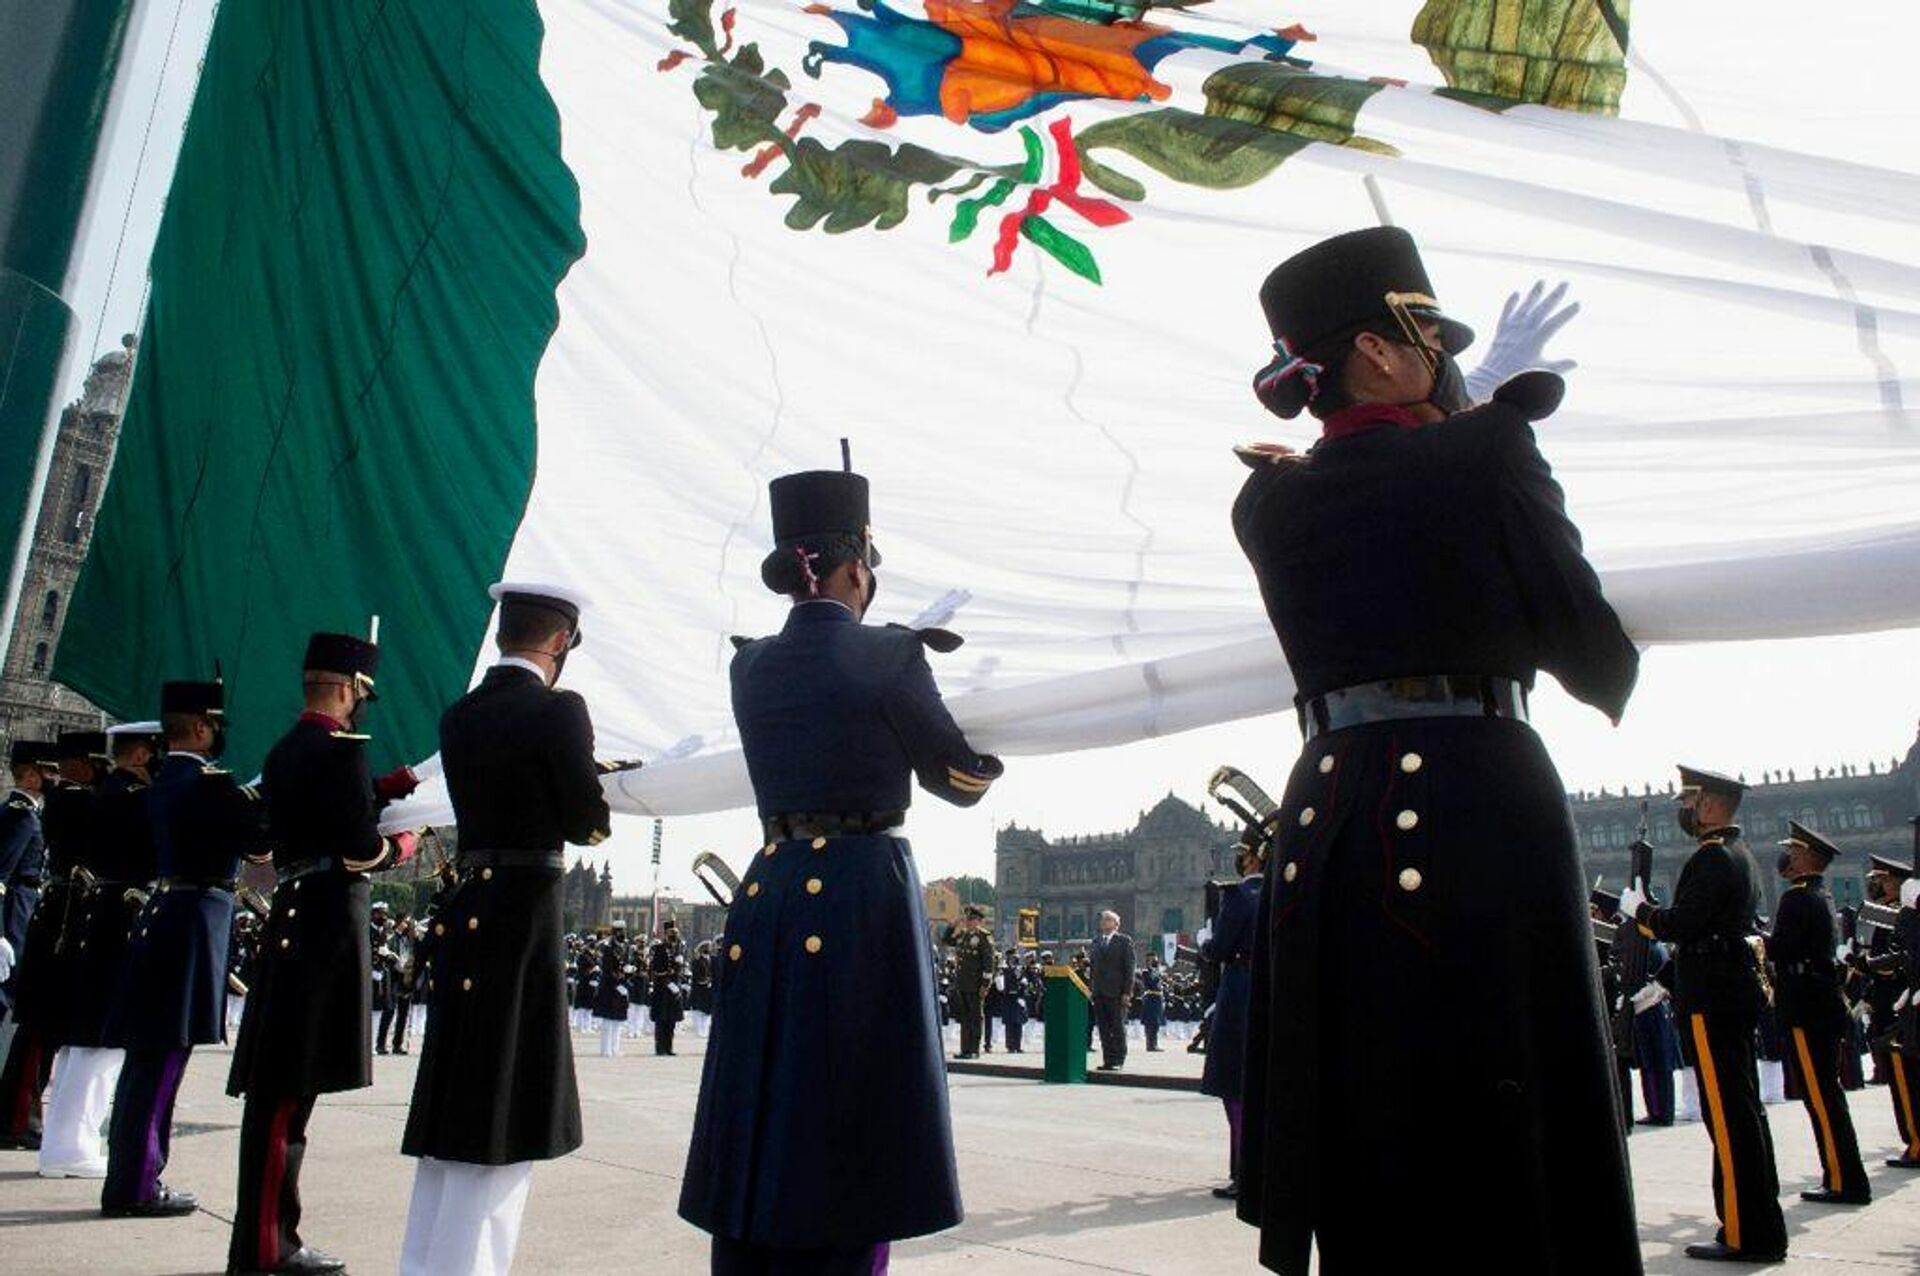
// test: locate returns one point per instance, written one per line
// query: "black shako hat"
(206, 698)
(345, 655)
(23, 753)
(1799, 834)
(77, 745)
(821, 518)
(1318, 299)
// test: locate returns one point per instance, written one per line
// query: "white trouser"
(1773, 1081)
(78, 1101)
(464, 1220)
(1687, 1092)
(609, 1038)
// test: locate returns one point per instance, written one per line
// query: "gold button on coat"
(1411, 762)
(819, 843)
(1407, 821)
(813, 943)
(486, 875)
(753, 888)
(769, 848)
(734, 952)
(292, 913)
(1290, 872)
(1326, 764)
(1410, 879)
(285, 943)
(466, 985)
(473, 923)
(1306, 817)
(814, 886)
(439, 928)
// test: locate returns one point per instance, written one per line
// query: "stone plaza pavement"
(1059, 1181)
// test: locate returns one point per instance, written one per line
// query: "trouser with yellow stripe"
(1746, 1186)
(1903, 1080)
(1814, 1056)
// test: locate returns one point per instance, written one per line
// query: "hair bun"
(1285, 397)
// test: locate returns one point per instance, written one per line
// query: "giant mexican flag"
(451, 292)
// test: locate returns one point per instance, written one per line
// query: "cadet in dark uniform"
(23, 874)
(1229, 943)
(1720, 998)
(822, 1131)
(973, 961)
(111, 869)
(1419, 567)
(611, 1002)
(46, 961)
(1812, 1013)
(307, 1028)
(1903, 967)
(1643, 1023)
(1011, 983)
(667, 971)
(173, 985)
(520, 771)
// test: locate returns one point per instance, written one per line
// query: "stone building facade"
(586, 897)
(32, 705)
(1154, 875)
(1863, 809)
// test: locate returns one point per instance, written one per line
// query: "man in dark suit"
(1710, 922)
(822, 1132)
(306, 1028)
(522, 777)
(1419, 569)
(1110, 964)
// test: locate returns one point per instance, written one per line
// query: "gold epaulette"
(210, 769)
(348, 735)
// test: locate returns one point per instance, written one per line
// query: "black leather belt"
(470, 860)
(195, 884)
(1436, 696)
(782, 827)
(306, 868)
(1717, 945)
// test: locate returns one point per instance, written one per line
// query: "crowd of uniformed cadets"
(1419, 569)
(621, 985)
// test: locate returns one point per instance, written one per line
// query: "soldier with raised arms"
(1419, 568)
(822, 1131)
(306, 1028)
(496, 1091)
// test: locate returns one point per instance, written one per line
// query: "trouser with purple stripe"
(141, 1132)
(273, 1143)
(743, 1258)
(23, 1080)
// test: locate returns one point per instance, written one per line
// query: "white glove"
(1630, 901)
(1648, 997)
(1910, 892)
(1520, 341)
(6, 960)
(1904, 998)
(1202, 935)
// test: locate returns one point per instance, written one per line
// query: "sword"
(251, 900)
(1237, 791)
(79, 882)
(717, 876)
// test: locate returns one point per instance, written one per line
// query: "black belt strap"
(781, 828)
(469, 860)
(195, 884)
(306, 868)
(1396, 699)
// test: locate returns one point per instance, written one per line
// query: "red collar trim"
(330, 724)
(1366, 416)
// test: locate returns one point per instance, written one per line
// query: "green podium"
(1068, 1005)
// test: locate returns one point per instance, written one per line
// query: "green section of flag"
(333, 412)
